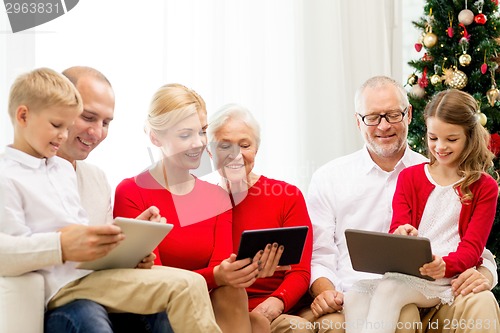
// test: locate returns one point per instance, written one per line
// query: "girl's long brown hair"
(460, 108)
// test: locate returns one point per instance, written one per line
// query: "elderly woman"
(260, 202)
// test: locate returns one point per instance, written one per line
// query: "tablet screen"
(292, 238)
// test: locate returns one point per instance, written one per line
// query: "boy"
(41, 197)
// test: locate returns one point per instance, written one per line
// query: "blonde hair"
(172, 103)
(42, 88)
(456, 107)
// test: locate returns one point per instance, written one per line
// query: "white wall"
(294, 63)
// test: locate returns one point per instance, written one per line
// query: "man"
(355, 191)
(88, 131)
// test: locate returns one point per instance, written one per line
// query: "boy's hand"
(85, 243)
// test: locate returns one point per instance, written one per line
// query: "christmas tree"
(460, 47)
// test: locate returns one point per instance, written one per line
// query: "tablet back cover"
(377, 252)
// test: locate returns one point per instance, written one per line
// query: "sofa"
(22, 303)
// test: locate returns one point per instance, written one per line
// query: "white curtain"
(294, 63)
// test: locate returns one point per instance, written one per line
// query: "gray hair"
(230, 112)
(376, 82)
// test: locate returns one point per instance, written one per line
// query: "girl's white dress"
(440, 224)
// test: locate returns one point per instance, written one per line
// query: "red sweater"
(271, 204)
(201, 237)
(476, 217)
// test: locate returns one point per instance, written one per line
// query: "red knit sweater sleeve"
(476, 221)
(296, 281)
(222, 247)
(402, 200)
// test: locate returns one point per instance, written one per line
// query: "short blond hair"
(41, 88)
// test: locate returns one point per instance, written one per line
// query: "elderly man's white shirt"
(352, 192)
(39, 197)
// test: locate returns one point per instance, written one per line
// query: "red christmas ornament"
(495, 2)
(418, 46)
(484, 68)
(423, 82)
(427, 57)
(480, 19)
(450, 32)
(495, 143)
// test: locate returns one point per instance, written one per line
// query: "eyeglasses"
(391, 118)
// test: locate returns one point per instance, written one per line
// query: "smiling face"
(183, 144)
(446, 141)
(385, 140)
(91, 127)
(43, 131)
(234, 150)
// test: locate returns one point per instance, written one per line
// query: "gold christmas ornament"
(430, 39)
(482, 118)
(412, 79)
(455, 78)
(492, 95)
(435, 79)
(465, 59)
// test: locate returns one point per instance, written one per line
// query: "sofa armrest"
(22, 303)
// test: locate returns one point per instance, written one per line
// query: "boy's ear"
(22, 115)
(154, 139)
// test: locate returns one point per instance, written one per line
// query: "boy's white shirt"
(29, 188)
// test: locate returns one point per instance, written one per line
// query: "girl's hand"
(406, 230)
(271, 308)
(269, 260)
(237, 274)
(435, 269)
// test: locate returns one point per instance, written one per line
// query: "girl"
(451, 200)
(201, 212)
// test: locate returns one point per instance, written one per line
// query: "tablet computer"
(141, 238)
(379, 252)
(292, 238)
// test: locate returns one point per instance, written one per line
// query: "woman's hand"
(269, 260)
(271, 308)
(435, 269)
(238, 274)
(406, 230)
(147, 262)
(151, 214)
